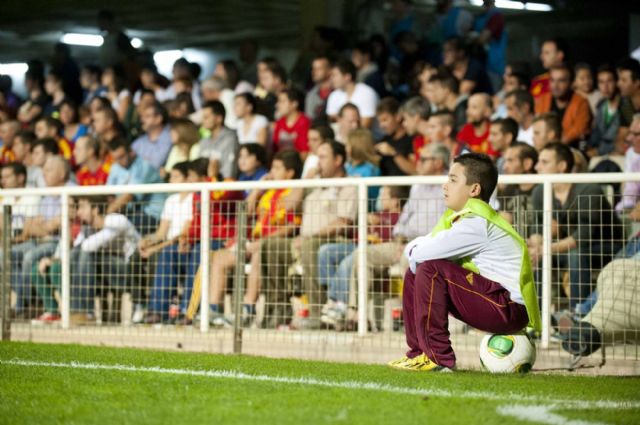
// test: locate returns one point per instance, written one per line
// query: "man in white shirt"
(346, 90)
(519, 105)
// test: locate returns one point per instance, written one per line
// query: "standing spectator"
(629, 85)
(347, 90)
(445, 97)
(116, 47)
(91, 83)
(475, 133)
(92, 171)
(395, 147)
(315, 103)
(502, 134)
(468, 71)
(607, 116)
(251, 127)
(520, 107)
(290, 131)
(572, 109)
(415, 116)
(493, 36)
(69, 117)
(554, 52)
(221, 146)
(155, 144)
(143, 210)
(588, 232)
(454, 21)
(114, 81)
(546, 129)
(583, 85)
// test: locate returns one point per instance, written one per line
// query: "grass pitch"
(77, 384)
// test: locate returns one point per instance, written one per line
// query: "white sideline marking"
(354, 385)
(541, 414)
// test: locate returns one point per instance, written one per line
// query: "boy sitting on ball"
(473, 265)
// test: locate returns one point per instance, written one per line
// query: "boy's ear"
(476, 190)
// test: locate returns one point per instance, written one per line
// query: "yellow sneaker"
(420, 363)
(398, 364)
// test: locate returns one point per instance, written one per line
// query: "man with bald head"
(475, 133)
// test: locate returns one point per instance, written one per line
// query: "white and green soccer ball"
(507, 353)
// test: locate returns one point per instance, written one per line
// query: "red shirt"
(87, 178)
(540, 85)
(478, 144)
(223, 214)
(294, 137)
(419, 142)
(6, 155)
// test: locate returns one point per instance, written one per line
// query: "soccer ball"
(507, 353)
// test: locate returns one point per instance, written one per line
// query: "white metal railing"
(361, 183)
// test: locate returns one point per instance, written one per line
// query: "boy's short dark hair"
(119, 142)
(48, 144)
(389, 105)
(101, 202)
(182, 168)
(51, 122)
(27, 137)
(200, 166)
(563, 153)
(291, 160)
(18, 168)
(216, 107)
(479, 168)
(256, 150)
(401, 193)
(337, 149)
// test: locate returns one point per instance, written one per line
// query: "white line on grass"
(541, 414)
(353, 385)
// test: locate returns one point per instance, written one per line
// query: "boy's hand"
(183, 245)
(385, 149)
(43, 265)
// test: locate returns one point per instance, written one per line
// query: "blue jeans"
(90, 268)
(170, 266)
(193, 262)
(631, 249)
(335, 261)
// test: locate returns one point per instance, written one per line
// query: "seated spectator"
(583, 85)
(53, 86)
(252, 162)
(520, 107)
(516, 77)
(180, 107)
(228, 70)
(290, 131)
(515, 199)
(251, 127)
(572, 109)
(328, 215)
(415, 116)
(315, 103)
(546, 129)
(70, 119)
(588, 232)
(144, 210)
(151, 82)
(502, 134)
(92, 170)
(102, 250)
(222, 144)
(630, 201)
(347, 90)
(395, 147)
(52, 128)
(468, 71)
(21, 150)
(272, 79)
(41, 150)
(114, 80)
(215, 88)
(273, 220)
(440, 130)
(185, 139)
(14, 176)
(317, 135)
(91, 83)
(629, 85)
(106, 126)
(170, 263)
(335, 260)
(155, 144)
(367, 70)
(475, 133)
(8, 132)
(348, 119)
(553, 52)
(607, 114)
(445, 96)
(40, 234)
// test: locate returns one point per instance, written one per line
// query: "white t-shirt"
(22, 208)
(177, 212)
(364, 97)
(251, 136)
(118, 237)
(496, 254)
(526, 135)
(310, 163)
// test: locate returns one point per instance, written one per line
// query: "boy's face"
(247, 163)
(42, 130)
(389, 123)
(410, 123)
(435, 130)
(38, 156)
(388, 202)
(176, 176)
(284, 106)
(210, 121)
(193, 177)
(84, 211)
(456, 190)
(279, 171)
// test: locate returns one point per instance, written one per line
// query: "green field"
(77, 384)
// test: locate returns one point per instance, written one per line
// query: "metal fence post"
(205, 246)
(6, 273)
(238, 290)
(362, 259)
(547, 207)
(65, 258)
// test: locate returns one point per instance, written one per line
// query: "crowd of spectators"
(386, 107)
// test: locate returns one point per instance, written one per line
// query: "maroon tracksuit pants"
(441, 287)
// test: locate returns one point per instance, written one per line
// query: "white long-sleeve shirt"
(118, 237)
(496, 254)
